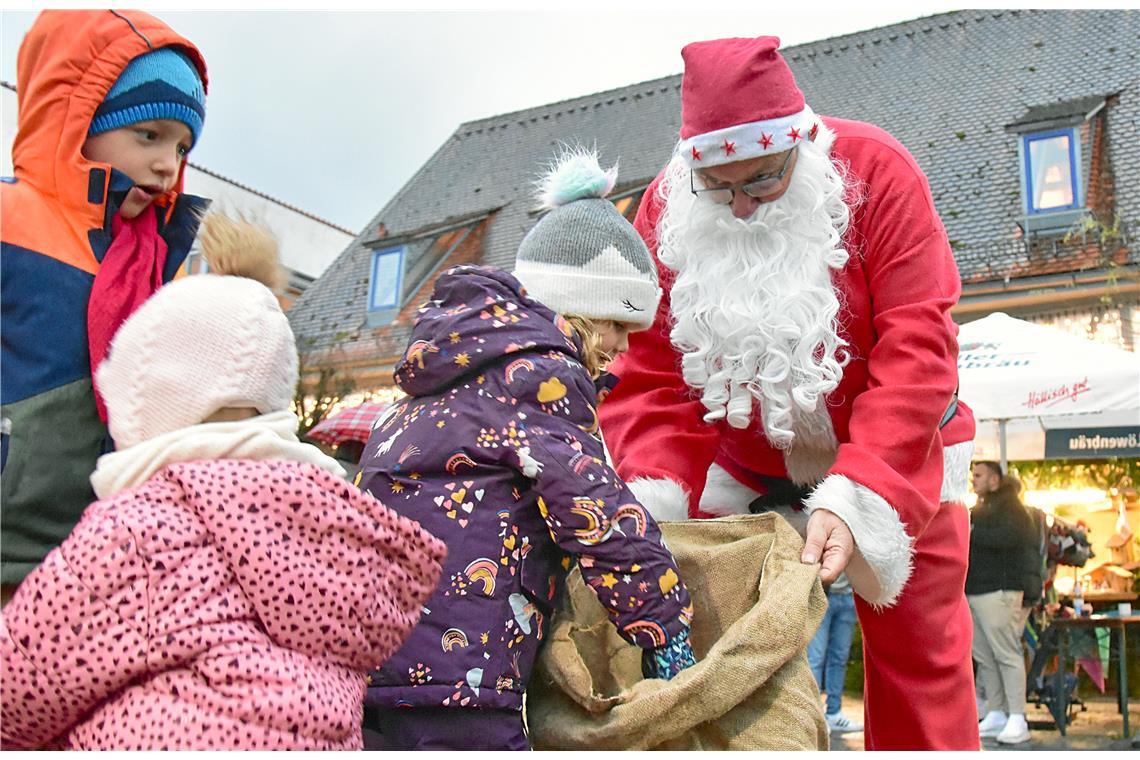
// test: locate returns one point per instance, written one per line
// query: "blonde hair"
(239, 247)
(593, 357)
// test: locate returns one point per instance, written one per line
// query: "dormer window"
(384, 288)
(1054, 142)
(1052, 170)
(400, 271)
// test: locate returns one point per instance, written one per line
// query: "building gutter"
(996, 295)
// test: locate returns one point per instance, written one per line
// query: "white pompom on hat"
(203, 343)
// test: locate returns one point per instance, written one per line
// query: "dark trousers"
(443, 728)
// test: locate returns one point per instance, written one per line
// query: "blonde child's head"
(602, 340)
(208, 347)
(585, 260)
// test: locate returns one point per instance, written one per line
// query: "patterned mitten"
(669, 660)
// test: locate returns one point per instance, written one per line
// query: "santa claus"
(804, 354)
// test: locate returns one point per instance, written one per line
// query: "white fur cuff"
(956, 471)
(663, 498)
(724, 494)
(884, 552)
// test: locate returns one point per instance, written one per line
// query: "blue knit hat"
(161, 84)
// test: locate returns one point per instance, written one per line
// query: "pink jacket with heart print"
(228, 604)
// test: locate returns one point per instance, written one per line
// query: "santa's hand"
(829, 541)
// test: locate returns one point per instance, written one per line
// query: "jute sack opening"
(756, 607)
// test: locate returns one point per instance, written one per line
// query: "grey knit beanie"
(584, 257)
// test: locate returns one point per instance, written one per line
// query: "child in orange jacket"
(110, 103)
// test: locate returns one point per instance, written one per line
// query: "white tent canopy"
(1052, 394)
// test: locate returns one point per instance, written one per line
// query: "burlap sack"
(756, 607)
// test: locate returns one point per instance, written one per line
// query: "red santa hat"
(739, 100)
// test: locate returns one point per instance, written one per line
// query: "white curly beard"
(756, 314)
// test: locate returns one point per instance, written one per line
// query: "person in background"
(1033, 590)
(495, 451)
(829, 650)
(1002, 534)
(94, 222)
(230, 589)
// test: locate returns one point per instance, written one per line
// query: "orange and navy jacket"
(55, 227)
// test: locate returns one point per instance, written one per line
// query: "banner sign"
(1092, 443)
(1009, 369)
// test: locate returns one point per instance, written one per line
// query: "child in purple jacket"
(495, 452)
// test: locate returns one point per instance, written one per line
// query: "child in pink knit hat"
(229, 589)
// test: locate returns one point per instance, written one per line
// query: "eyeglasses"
(757, 187)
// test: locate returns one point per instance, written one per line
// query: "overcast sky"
(334, 111)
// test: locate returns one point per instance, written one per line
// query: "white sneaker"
(840, 724)
(991, 725)
(1016, 730)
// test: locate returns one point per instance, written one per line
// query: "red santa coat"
(896, 292)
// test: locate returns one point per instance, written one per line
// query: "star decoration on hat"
(794, 133)
(814, 131)
(729, 148)
(765, 140)
(696, 154)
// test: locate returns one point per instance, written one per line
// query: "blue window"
(386, 285)
(1052, 171)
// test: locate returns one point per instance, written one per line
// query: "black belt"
(779, 492)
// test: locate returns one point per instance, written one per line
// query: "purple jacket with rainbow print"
(494, 452)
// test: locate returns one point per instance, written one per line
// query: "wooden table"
(1064, 625)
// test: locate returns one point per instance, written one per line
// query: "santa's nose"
(743, 205)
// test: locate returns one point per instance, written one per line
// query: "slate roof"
(946, 86)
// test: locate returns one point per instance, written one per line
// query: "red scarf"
(130, 273)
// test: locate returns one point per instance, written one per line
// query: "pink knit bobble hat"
(202, 343)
